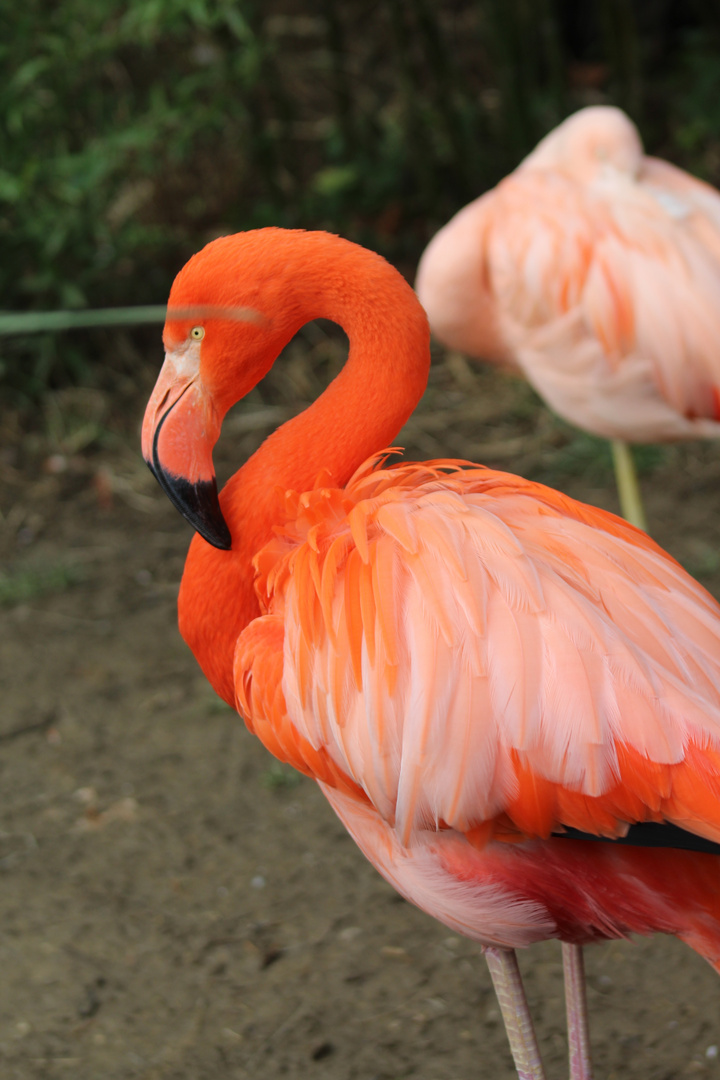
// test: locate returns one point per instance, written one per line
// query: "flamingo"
(494, 685)
(595, 271)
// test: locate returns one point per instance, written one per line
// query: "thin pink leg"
(510, 993)
(577, 1014)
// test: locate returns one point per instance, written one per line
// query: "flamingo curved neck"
(359, 414)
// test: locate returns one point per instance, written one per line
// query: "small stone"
(56, 463)
(85, 795)
(323, 1050)
(395, 952)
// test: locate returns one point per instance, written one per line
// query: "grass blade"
(38, 322)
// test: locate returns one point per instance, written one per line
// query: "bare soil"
(175, 905)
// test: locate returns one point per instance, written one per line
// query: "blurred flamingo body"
(594, 270)
(468, 663)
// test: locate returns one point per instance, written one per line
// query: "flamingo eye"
(197, 333)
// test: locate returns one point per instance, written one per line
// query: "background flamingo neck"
(360, 413)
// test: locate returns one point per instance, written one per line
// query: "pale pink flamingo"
(595, 270)
(471, 665)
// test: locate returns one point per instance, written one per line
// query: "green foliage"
(29, 583)
(587, 457)
(106, 104)
(132, 131)
(697, 84)
(280, 777)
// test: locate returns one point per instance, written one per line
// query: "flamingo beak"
(179, 432)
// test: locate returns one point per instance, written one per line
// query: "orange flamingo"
(596, 271)
(485, 677)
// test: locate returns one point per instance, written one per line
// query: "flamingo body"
(595, 270)
(463, 683)
(468, 663)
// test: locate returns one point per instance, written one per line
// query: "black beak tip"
(216, 533)
(198, 503)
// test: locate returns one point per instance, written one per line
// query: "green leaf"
(335, 180)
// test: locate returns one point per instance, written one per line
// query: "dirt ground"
(175, 905)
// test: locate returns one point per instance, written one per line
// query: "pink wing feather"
(466, 647)
(610, 304)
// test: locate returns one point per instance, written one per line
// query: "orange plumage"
(467, 662)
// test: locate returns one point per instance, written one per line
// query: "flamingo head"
(588, 143)
(232, 308)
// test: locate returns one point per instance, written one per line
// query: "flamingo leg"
(505, 975)
(577, 1014)
(631, 504)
